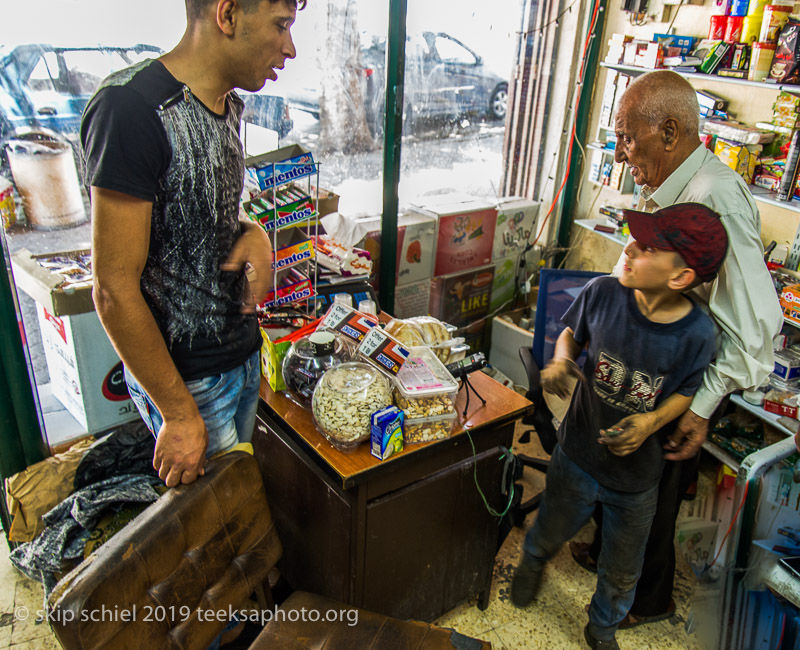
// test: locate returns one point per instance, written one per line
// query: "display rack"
(288, 202)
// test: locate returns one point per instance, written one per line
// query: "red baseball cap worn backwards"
(693, 231)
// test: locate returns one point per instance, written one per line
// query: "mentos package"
(292, 287)
(280, 166)
(292, 254)
(386, 432)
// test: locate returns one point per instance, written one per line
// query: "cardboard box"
(507, 338)
(503, 284)
(697, 542)
(8, 207)
(738, 157)
(462, 298)
(44, 286)
(516, 219)
(327, 201)
(272, 355)
(85, 371)
(412, 299)
(465, 232)
(416, 239)
(790, 303)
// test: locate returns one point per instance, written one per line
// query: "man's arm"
(744, 306)
(120, 242)
(639, 427)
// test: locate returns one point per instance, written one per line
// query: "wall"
(747, 103)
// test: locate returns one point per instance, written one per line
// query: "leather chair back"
(200, 548)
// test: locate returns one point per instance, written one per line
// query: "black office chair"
(558, 288)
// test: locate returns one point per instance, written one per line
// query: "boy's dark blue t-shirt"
(632, 365)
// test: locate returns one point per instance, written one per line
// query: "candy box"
(280, 166)
(787, 364)
(386, 432)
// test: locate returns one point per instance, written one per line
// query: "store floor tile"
(555, 620)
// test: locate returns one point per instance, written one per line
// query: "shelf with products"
(760, 194)
(771, 419)
(789, 88)
(589, 224)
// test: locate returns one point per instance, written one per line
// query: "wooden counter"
(408, 537)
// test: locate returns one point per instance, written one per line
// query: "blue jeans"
(227, 403)
(569, 499)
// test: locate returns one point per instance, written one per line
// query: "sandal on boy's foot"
(597, 644)
(525, 584)
(631, 620)
(580, 553)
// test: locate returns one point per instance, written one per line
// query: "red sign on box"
(465, 234)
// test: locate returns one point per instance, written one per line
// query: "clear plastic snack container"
(426, 392)
(437, 427)
(345, 398)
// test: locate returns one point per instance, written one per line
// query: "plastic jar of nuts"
(345, 398)
(426, 392)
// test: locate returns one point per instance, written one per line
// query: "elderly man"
(657, 135)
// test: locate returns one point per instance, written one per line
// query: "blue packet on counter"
(386, 432)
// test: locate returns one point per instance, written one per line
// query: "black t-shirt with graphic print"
(144, 134)
(632, 364)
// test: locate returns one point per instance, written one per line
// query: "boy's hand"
(628, 434)
(555, 376)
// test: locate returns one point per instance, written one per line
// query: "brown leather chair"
(203, 548)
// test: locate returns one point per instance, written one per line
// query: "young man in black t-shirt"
(648, 345)
(165, 167)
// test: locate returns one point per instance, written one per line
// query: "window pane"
(459, 56)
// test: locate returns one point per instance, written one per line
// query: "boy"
(647, 347)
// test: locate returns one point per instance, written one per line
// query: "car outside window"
(452, 52)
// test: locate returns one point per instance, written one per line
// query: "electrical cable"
(555, 20)
(730, 528)
(489, 508)
(674, 16)
(589, 35)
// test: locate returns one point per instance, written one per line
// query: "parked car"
(444, 78)
(46, 86)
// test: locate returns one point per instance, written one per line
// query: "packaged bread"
(408, 333)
